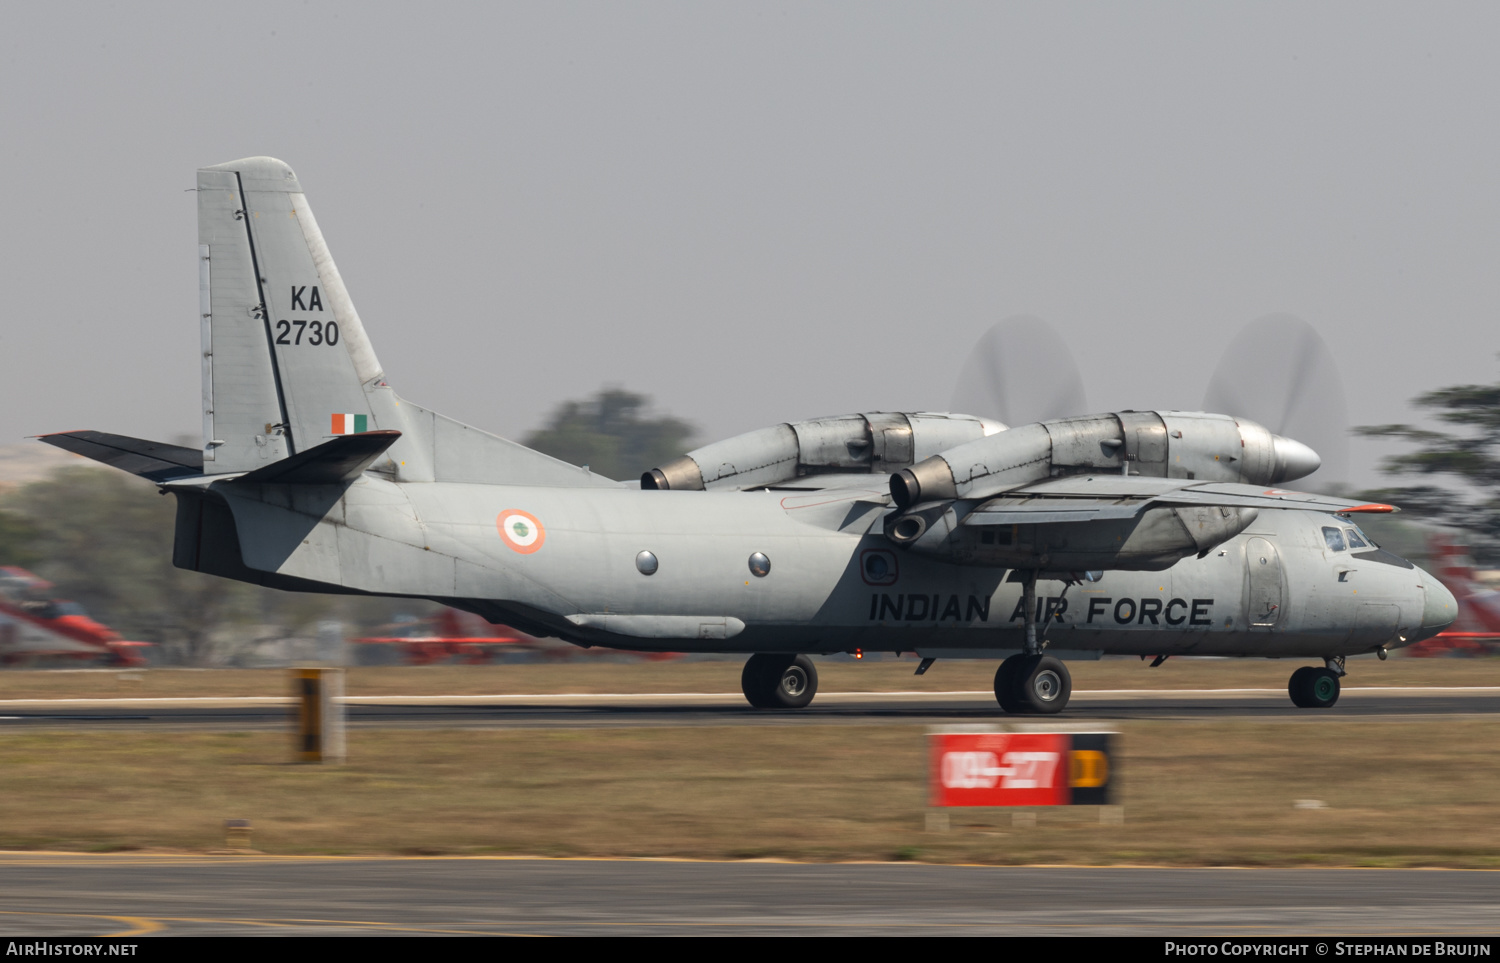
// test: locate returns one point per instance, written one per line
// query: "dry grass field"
(1393, 793)
(1412, 791)
(597, 675)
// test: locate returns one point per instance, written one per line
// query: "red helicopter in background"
(1477, 629)
(452, 635)
(35, 626)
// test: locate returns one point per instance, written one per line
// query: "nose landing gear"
(774, 681)
(1312, 687)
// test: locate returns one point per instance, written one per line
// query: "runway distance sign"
(1022, 768)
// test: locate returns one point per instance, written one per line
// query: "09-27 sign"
(1022, 769)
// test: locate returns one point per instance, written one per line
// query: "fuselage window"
(1334, 538)
(1354, 540)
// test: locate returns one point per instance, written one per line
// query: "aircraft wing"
(1101, 497)
(876, 484)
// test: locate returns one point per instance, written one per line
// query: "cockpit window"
(1354, 540)
(1335, 539)
(1363, 537)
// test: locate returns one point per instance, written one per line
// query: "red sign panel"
(1019, 769)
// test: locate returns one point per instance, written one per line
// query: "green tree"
(614, 433)
(1464, 465)
(104, 539)
(18, 538)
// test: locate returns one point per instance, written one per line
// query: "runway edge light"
(318, 698)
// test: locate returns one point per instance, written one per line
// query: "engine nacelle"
(1156, 539)
(1167, 444)
(874, 443)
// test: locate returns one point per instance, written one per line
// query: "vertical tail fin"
(286, 362)
(285, 357)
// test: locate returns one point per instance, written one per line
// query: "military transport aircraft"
(947, 535)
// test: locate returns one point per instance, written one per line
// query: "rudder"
(285, 357)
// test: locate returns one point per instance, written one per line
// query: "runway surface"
(64, 895)
(730, 709)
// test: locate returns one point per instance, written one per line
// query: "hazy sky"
(759, 212)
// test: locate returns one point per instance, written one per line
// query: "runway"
(510, 711)
(73, 895)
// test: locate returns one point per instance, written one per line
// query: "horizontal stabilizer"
(331, 463)
(155, 460)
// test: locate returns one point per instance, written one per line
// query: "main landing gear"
(772, 681)
(1316, 688)
(1033, 684)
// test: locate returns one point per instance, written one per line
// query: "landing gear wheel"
(1033, 684)
(1006, 692)
(1312, 687)
(772, 681)
(1044, 684)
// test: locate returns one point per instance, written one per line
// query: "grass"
(1408, 793)
(593, 675)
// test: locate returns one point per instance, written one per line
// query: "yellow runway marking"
(139, 925)
(760, 921)
(273, 922)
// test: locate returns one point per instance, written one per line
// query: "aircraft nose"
(1293, 459)
(1440, 608)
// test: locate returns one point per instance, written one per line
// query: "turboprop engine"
(873, 443)
(1167, 444)
(1051, 496)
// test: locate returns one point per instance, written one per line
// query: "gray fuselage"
(835, 583)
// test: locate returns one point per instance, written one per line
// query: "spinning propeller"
(1278, 371)
(1020, 372)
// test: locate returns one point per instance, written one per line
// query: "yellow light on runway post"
(237, 834)
(319, 698)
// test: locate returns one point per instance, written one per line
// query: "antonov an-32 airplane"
(944, 535)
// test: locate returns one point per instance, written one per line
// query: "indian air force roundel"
(520, 530)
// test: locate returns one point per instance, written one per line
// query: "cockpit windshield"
(1355, 541)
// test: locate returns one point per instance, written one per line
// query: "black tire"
(1312, 687)
(777, 681)
(1006, 691)
(759, 675)
(1296, 687)
(1043, 685)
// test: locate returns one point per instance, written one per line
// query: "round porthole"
(760, 566)
(646, 563)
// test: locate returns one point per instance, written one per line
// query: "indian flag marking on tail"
(350, 424)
